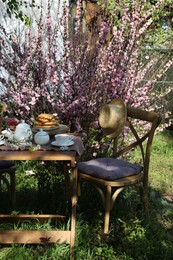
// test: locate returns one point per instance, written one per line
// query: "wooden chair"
(113, 174)
(7, 176)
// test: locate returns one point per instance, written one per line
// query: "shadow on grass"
(133, 235)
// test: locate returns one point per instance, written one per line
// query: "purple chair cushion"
(6, 164)
(109, 168)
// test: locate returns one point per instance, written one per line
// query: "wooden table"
(44, 236)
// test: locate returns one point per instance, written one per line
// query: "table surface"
(46, 152)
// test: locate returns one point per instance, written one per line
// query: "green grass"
(162, 163)
(132, 235)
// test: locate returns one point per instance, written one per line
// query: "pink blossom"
(66, 77)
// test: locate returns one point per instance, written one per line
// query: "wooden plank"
(39, 155)
(34, 236)
(23, 217)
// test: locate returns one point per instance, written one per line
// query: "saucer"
(55, 143)
(2, 142)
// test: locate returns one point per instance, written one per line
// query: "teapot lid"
(22, 124)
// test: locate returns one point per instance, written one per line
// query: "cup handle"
(71, 138)
(1, 137)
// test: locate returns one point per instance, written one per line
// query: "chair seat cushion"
(109, 168)
(6, 164)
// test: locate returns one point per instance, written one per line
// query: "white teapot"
(23, 132)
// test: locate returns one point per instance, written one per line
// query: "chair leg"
(107, 209)
(10, 184)
(12, 188)
(79, 186)
(0, 186)
(144, 197)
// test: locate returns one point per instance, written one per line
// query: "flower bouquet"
(10, 123)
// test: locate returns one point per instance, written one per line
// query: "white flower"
(30, 173)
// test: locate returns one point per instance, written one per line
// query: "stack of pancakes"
(46, 121)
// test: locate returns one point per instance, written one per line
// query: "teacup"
(7, 134)
(63, 139)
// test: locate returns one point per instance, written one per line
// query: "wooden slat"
(39, 155)
(34, 236)
(142, 114)
(23, 217)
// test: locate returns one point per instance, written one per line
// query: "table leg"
(73, 216)
(67, 183)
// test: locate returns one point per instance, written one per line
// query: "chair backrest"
(141, 136)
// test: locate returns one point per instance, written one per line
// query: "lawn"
(132, 234)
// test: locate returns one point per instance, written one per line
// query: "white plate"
(2, 142)
(55, 143)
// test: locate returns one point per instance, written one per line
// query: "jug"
(23, 132)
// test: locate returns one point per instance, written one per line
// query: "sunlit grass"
(161, 166)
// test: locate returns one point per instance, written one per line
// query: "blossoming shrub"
(52, 69)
